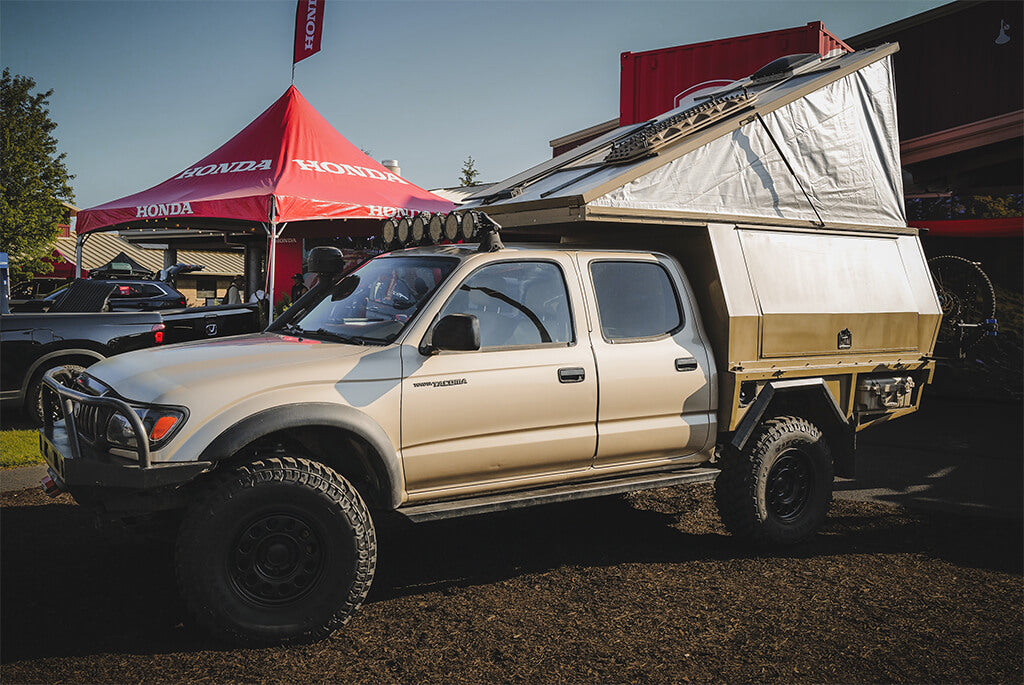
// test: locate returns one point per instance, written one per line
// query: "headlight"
(160, 424)
(120, 432)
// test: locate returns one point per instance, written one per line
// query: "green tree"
(33, 178)
(469, 172)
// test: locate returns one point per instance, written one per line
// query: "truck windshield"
(374, 303)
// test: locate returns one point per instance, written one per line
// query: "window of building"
(206, 286)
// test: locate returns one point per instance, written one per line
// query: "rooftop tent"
(289, 165)
(806, 140)
(123, 264)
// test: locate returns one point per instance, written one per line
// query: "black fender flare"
(844, 447)
(387, 467)
(55, 354)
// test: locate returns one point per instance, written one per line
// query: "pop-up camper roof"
(804, 141)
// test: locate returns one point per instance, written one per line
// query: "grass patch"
(19, 448)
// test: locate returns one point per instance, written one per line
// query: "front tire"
(34, 399)
(778, 489)
(279, 550)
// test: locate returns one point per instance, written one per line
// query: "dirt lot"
(644, 588)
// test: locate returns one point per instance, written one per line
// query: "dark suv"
(133, 292)
(135, 295)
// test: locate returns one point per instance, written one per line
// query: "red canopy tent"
(289, 165)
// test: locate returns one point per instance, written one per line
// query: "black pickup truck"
(33, 343)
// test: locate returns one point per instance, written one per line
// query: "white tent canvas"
(841, 141)
(835, 125)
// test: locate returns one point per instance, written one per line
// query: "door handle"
(574, 374)
(686, 364)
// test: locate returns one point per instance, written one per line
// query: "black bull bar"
(67, 398)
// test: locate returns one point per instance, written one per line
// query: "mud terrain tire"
(778, 489)
(34, 398)
(274, 551)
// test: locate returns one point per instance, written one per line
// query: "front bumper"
(95, 477)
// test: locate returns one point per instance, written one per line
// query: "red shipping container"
(655, 81)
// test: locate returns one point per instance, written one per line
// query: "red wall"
(289, 262)
(651, 81)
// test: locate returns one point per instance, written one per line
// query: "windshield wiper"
(348, 339)
(293, 329)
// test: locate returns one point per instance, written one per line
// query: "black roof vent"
(785, 67)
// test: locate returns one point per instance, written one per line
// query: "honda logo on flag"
(309, 25)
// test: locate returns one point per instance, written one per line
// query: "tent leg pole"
(79, 245)
(271, 268)
(778, 148)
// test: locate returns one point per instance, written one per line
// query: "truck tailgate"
(210, 322)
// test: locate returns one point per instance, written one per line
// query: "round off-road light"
(467, 226)
(402, 231)
(435, 228)
(451, 227)
(418, 228)
(387, 231)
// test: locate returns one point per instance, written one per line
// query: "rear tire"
(778, 489)
(279, 550)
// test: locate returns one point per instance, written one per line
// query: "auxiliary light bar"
(434, 229)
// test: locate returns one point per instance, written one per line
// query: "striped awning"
(100, 248)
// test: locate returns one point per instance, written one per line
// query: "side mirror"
(456, 332)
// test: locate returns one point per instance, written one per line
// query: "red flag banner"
(309, 25)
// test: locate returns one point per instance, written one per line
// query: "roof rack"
(656, 135)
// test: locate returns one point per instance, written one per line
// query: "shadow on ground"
(72, 590)
(955, 455)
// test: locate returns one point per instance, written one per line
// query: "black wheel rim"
(66, 378)
(789, 486)
(277, 559)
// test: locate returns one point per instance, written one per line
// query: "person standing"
(234, 292)
(259, 298)
(298, 287)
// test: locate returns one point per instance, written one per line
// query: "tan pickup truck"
(455, 379)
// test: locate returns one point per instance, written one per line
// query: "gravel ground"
(642, 588)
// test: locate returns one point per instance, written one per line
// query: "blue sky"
(144, 88)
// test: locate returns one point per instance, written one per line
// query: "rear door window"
(635, 300)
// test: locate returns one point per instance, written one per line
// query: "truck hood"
(229, 369)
